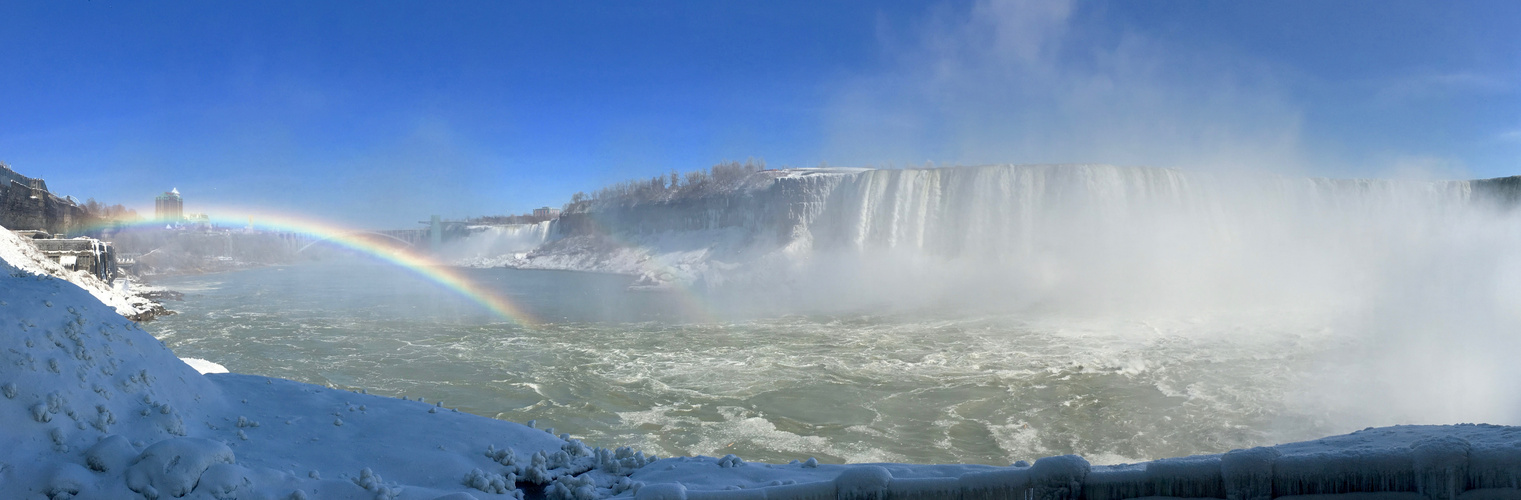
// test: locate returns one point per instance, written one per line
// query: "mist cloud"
(1027, 82)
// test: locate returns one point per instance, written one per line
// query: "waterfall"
(486, 244)
(1051, 234)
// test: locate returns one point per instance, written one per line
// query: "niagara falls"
(673, 250)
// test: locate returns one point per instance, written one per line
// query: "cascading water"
(1083, 233)
(486, 245)
(982, 314)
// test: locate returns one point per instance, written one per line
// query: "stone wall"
(25, 203)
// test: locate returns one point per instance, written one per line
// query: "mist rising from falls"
(485, 245)
(1416, 285)
(1104, 236)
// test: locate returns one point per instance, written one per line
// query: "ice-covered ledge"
(1435, 462)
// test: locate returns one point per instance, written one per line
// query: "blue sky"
(379, 114)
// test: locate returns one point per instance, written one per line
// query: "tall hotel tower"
(169, 207)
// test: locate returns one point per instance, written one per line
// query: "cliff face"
(998, 210)
(774, 211)
(25, 203)
(1504, 191)
(1037, 223)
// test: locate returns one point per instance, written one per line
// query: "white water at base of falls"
(939, 310)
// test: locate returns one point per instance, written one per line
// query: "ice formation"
(122, 297)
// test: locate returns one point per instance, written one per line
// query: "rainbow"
(447, 276)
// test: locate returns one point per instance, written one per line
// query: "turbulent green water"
(656, 371)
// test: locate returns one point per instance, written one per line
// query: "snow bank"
(94, 407)
(25, 257)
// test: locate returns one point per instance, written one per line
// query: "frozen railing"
(1439, 468)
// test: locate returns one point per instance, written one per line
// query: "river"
(653, 371)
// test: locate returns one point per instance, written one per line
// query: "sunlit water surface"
(656, 371)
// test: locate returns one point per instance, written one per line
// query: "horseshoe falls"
(968, 315)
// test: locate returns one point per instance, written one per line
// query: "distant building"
(169, 207)
(199, 221)
(546, 213)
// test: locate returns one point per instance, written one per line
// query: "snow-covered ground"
(94, 407)
(125, 297)
(685, 257)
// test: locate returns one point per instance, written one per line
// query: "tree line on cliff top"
(725, 177)
(96, 209)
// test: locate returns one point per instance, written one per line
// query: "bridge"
(400, 240)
